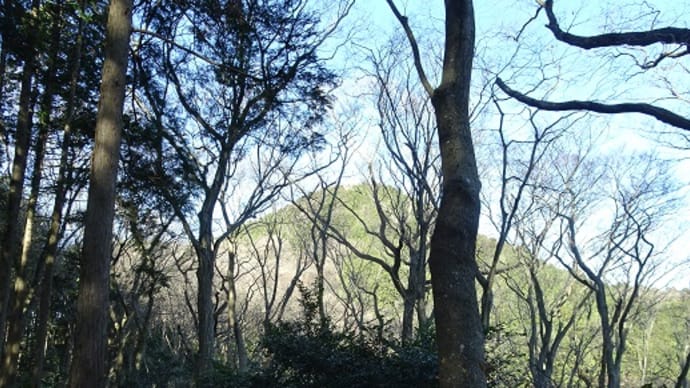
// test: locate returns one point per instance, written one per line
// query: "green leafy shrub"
(309, 353)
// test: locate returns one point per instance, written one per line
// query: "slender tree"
(24, 284)
(641, 198)
(12, 237)
(50, 249)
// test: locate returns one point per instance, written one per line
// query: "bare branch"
(668, 35)
(674, 54)
(661, 114)
(527, 23)
(415, 48)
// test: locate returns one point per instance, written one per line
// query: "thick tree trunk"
(459, 334)
(88, 367)
(206, 254)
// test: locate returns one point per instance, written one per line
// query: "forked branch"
(415, 48)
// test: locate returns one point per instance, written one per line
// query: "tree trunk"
(414, 295)
(41, 336)
(206, 254)
(23, 287)
(11, 239)
(320, 289)
(88, 367)
(206, 329)
(416, 284)
(49, 252)
(459, 334)
(408, 316)
(234, 321)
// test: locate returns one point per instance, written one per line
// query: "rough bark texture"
(89, 362)
(234, 319)
(452, 257)
(459, 334)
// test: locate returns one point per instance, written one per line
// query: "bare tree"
(314, 201)
(460, 338)
(269, 246)
(520, 155)
(399, 204)
(141, 267)
(553, 301)
(619, 262)
(408, 130)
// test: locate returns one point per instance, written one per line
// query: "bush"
(309, 353)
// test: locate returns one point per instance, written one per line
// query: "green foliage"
(306, 353)
(161, 366)
(506, 359)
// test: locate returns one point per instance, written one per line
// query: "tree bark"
(206, 328)
(234, 319)
(406, 334)
(459, 334)
(88, 367)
